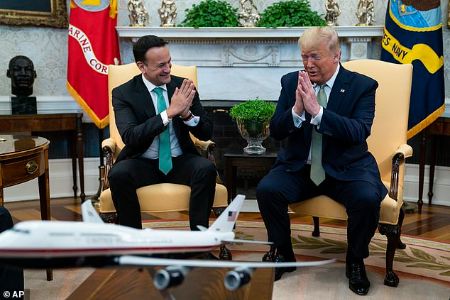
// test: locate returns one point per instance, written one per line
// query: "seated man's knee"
(117, 174)
(207, 169)
(368, 199)
(265, 190)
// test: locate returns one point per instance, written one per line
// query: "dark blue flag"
(413, 34)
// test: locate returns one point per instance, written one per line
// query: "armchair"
(161, 197)
(387, 143)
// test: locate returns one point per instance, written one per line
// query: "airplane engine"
(169, 277)
(237, 278)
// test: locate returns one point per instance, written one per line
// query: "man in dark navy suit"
(324, 116)
(155, 112)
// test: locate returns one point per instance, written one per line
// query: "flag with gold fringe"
(92, 46)
(413, 34)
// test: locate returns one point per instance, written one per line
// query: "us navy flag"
(413, 34)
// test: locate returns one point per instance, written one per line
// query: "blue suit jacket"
(345, 126)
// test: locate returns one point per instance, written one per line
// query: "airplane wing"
(177, 269)
(138, 261)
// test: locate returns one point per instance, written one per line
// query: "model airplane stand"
(134, 283)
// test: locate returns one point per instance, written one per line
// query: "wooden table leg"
(80, 155)
(423, 145)
(73, 149)
(44, 199)
(432, 167)
(229, 180)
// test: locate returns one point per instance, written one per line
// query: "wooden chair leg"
(401, 216)
(392, 233)
(49, 274)
(316, 231)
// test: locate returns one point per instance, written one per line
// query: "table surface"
(16, 143)
(200, 283)
(45, 121)
(241, 154)
(43, 112)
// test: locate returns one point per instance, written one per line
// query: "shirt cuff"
(298, 120)
(193, 121)
(164, 117)
(317, 118)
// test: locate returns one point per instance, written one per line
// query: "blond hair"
(314, 36)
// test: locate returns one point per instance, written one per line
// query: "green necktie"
(317, 172)
(165, 156)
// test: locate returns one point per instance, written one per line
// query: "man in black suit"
(323, 116)
(11, 278)
(155, 112)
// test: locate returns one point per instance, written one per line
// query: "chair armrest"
(406, 150)
(204, 145)
(109, 145)
(402, 152)
(206, 149)
(108, 148)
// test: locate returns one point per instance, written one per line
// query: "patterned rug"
(421, 257)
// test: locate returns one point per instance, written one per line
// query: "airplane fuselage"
(63, 239)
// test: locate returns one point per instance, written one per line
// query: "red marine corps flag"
(93, 45)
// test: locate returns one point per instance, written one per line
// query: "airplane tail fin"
(225, 222)
(89, 213)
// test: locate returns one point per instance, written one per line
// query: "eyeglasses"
(314, 57)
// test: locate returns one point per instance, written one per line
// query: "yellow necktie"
(165, 156)
(317, 172)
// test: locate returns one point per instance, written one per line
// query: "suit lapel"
(339, 90)
(143, 98)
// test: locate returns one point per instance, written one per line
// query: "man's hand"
(298, 106)
(182, 99)
(306, 91)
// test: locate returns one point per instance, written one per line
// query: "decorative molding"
(251, 55)
(189, 33)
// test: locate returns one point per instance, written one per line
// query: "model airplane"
(62, 244)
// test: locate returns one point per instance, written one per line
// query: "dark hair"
(144, 43)
(13, 61)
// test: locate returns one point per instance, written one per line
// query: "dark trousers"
(188, 169)
(279, 188)
(11, 278)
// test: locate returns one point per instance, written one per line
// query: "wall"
(47, 47)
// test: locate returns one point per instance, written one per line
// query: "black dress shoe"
(357, 278)
(271, 256)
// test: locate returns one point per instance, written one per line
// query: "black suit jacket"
(345, 126)
(138, 123)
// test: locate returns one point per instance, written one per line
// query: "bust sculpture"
(22, 74)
